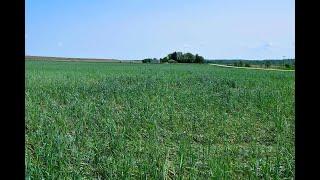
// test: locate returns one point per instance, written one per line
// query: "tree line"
(177, 57)
(284, 63)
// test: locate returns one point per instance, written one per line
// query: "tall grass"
(157, 121)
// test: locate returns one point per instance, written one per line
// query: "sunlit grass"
(157, 121)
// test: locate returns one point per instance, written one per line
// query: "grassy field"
(46, 58)
(158, 121)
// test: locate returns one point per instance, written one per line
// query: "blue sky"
(136, 29)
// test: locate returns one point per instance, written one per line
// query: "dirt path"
(220, 65)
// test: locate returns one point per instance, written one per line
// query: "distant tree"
(287, 66)
(240, 64)
(163, 60)
(247, 65)
(179, 56)
(174, 56)
(155, 60)
(183, 58)
(169, 56)
(189, 58)
(148, 60)
(199, 59)
(268, 64)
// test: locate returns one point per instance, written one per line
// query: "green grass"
(158, 121)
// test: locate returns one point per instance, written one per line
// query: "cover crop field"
(158, 121)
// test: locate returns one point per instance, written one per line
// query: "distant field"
(158, 121)
(253, 67)
(45, 58)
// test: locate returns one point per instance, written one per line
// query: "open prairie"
(158, 121)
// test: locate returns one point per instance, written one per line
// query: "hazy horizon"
(128, 30)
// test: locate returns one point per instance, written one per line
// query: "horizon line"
(73, 57)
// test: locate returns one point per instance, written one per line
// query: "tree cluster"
(267, 64)
(242, 64)
(179, 57)
(149, 60)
